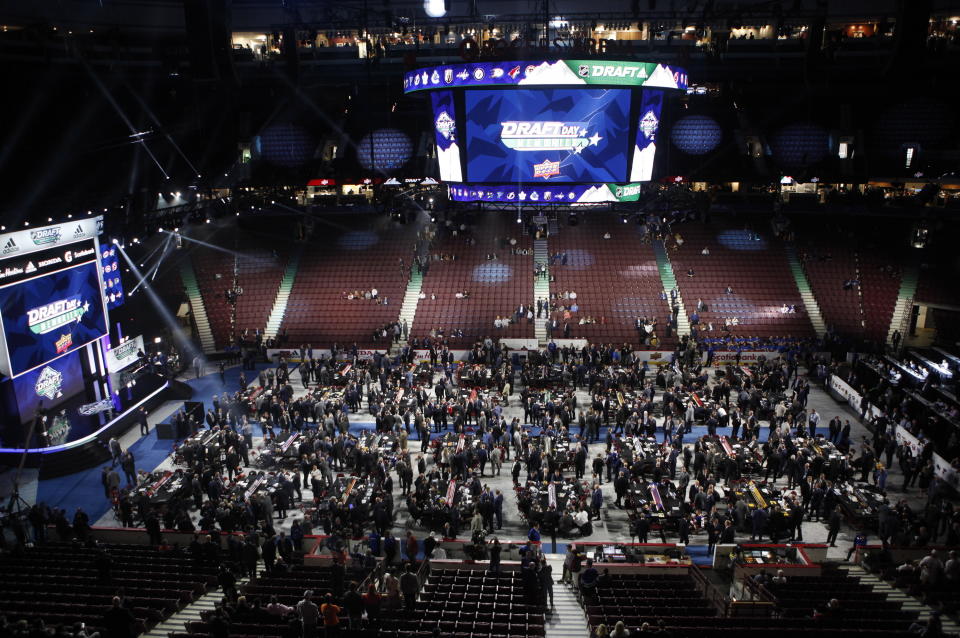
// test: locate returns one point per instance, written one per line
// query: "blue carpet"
(82, 489)
(700, 555)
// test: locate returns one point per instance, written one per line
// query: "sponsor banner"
(125, 354)
(746, 356)
(520, 344)
(941, 467)
(546, 73)
(846, 392)
(31, 240)
(908, 440)
(18, 268)
(654, 357)
(420, 354)
(947, 472)
(293, 354)
(546, 194)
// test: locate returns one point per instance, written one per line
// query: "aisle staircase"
(904, 307)
(553, 228)
(669, 281)
(177, 623)
(567, 619)
(279, 310)
(197, 309)
(806, 292)
(408, 310)
(894, 595)
(541, 287)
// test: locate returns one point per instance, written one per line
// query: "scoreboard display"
(522, 128)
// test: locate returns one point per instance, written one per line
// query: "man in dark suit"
(551, 521)
(729, 533)
(142, 419)
(118, 621)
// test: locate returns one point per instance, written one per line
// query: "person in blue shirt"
(588, 579)
(534, 534)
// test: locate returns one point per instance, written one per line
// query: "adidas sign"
(79, 231)
(9, 247)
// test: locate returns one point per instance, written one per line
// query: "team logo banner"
(547, 194)
(543, 73)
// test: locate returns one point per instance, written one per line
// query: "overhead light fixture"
(435, 8)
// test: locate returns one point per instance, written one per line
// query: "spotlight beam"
(116, 107)
(153, 270)
(163, 130)
(181, 339)
(220, 248)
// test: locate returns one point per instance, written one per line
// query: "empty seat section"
(352, 258)
(495, 287)
(754, 265)
(616, 280)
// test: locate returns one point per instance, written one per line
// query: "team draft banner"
(125, 354)
(544, 73)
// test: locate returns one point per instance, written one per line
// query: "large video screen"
(50, 304)
(547, 135)
(51, 384)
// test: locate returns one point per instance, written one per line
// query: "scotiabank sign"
(749, 356)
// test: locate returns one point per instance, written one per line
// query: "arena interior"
(479, 319)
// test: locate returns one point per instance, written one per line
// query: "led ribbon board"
(547, 73)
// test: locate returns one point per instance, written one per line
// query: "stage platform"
(91, 450)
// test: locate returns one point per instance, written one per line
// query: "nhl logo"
(583, 71)
(448, 76)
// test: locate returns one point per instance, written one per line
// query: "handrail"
(717, 598)
(375, 577)
(423, 573)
